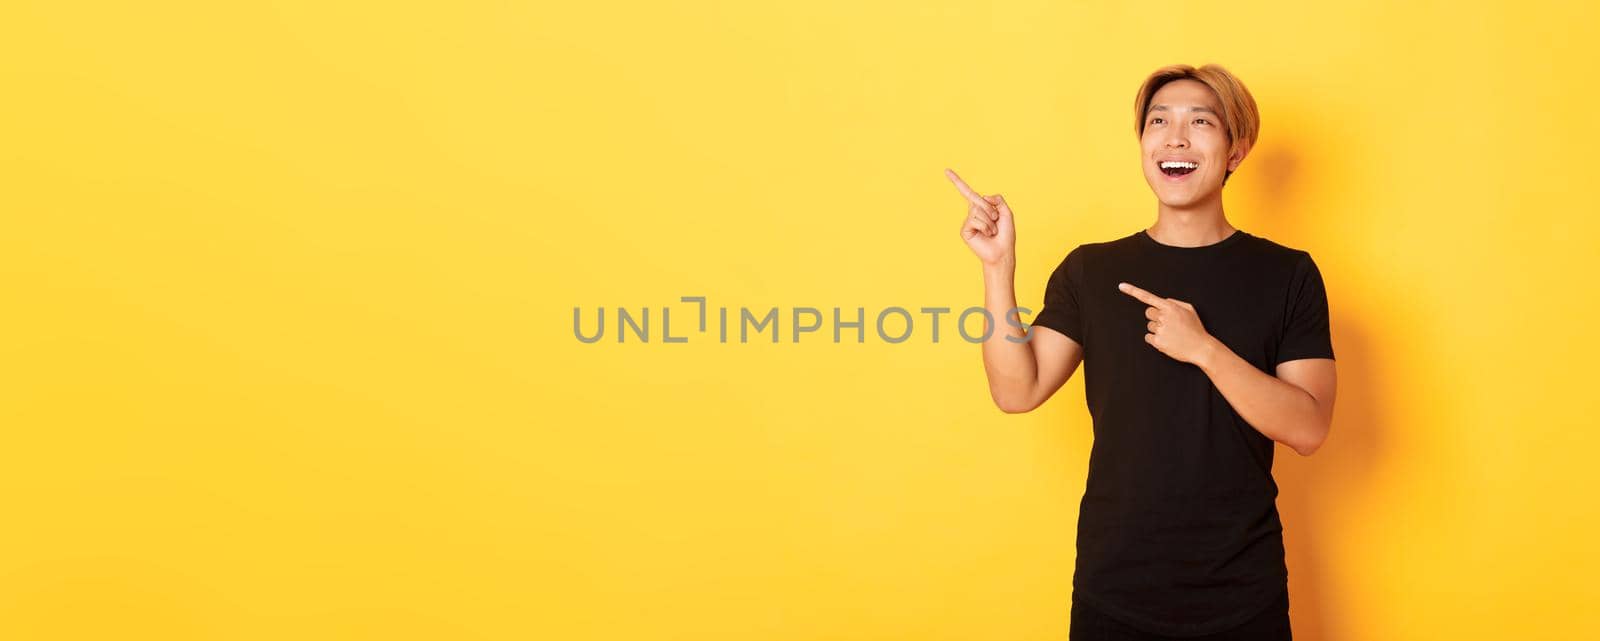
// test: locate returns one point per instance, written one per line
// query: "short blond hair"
(1239, 115)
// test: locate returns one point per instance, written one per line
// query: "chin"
(1184, 197)
(1178, 201)
(1174, 199)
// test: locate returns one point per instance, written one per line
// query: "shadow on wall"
(1314, 489)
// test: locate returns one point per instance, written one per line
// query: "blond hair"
(1239, 115)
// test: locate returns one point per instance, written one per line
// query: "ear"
(1236, 156)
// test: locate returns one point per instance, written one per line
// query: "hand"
(1174, 325)
(988, 228)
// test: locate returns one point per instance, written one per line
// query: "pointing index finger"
(1143, 296)
(967, 191)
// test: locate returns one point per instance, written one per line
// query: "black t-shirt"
(1178, 530)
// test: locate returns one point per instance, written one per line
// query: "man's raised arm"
(1022, 373)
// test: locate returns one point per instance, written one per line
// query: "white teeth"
(1165, 164)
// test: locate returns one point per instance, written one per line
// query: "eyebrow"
(1196, 108)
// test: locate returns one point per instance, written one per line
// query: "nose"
(1176, 138)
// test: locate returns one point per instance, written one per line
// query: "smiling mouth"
(1177, 167)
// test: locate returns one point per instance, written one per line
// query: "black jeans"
(1272, 624)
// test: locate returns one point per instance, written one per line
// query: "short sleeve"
(1061, 311)
(1305, 327)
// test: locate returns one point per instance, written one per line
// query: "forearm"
(1012, 370)
(1278, 409)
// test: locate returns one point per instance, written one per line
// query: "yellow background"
(288, 289)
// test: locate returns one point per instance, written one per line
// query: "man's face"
(1184, 125)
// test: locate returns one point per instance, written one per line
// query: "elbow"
(1014, 405)
(1015, 409)
(1310, 447)
(1015, 396)
(1316, 436)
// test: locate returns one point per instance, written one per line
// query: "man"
(1202, 346)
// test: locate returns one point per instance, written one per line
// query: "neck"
(1201, 223)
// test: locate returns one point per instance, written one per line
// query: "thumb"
(1000, 203)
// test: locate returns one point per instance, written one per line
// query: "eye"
(1202, 120)
(1155, 120)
